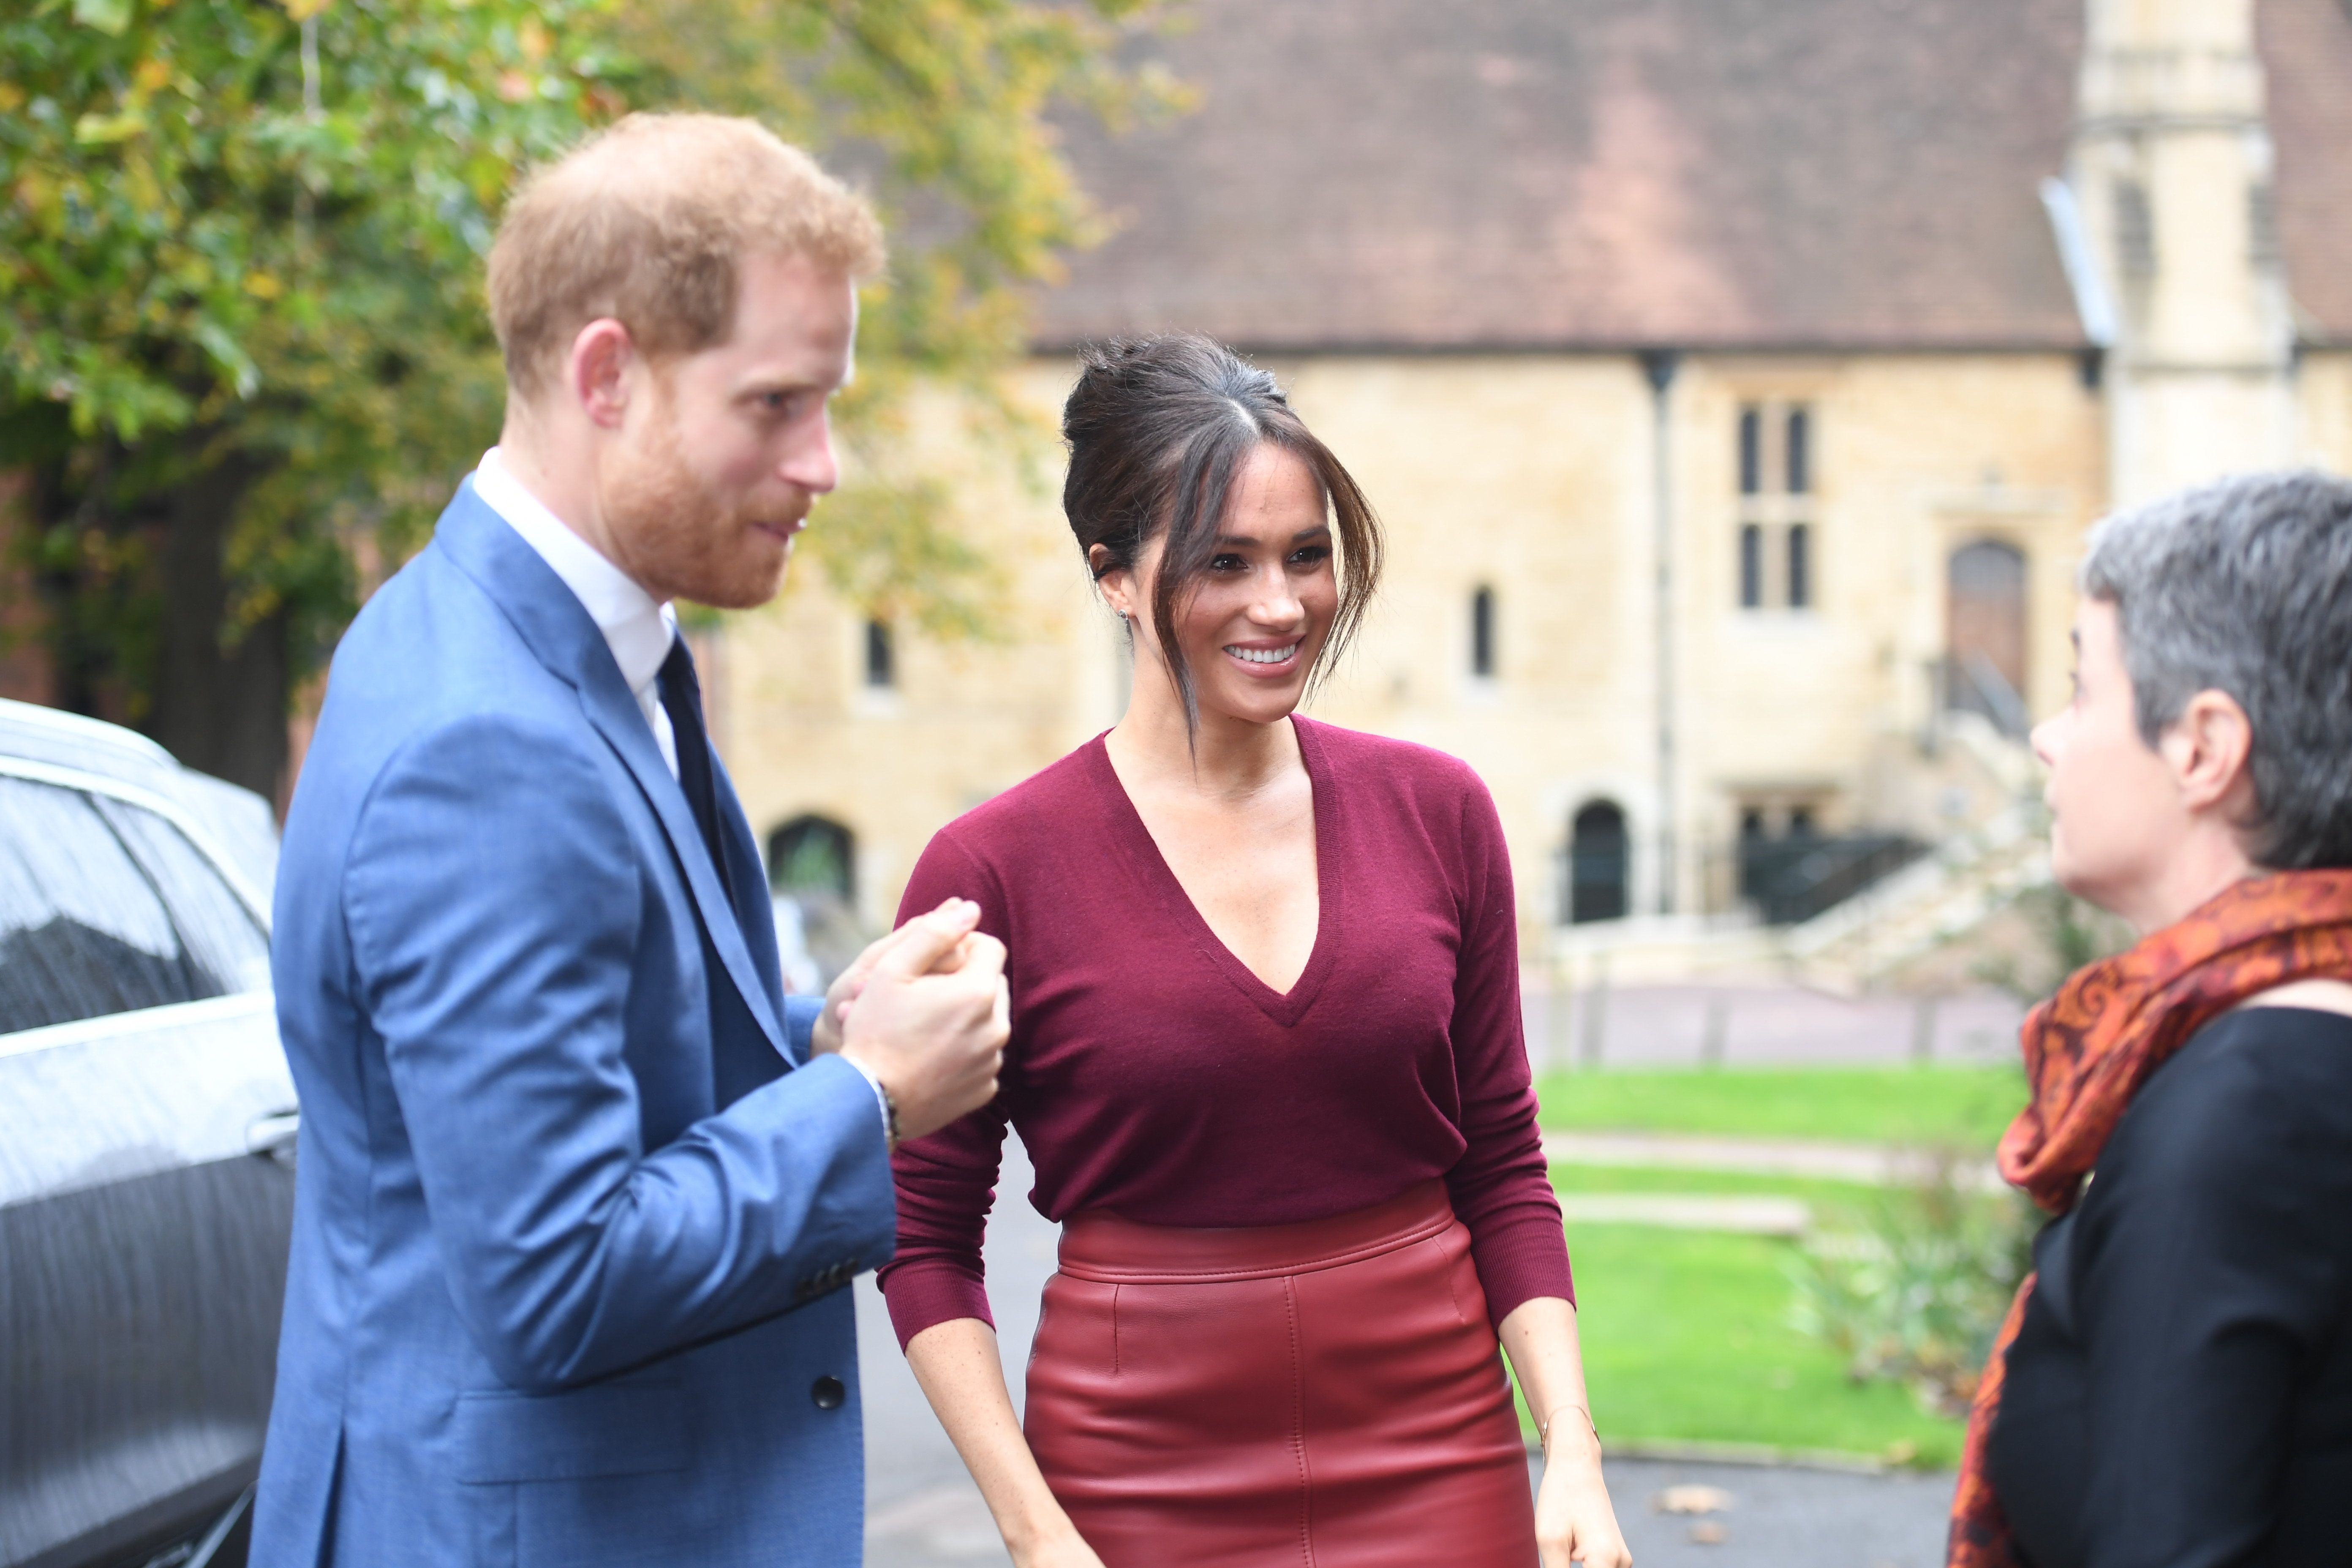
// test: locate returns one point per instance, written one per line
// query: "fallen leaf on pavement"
(1692, 1499)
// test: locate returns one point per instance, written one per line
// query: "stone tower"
(2170, 174)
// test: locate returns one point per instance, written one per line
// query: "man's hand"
(846, 986)
(926, 1011)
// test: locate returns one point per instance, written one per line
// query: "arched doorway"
(1984, 663)
(812, 855)
(812, 882)
(1598, 863)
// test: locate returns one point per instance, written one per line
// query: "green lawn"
(1957, 1106)
(1685, 1333)
(1686, 1337)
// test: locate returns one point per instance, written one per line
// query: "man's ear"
(2207, 747)
(599, 371)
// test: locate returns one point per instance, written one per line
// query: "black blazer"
(2181, 1392)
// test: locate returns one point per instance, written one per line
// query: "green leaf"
(111, 18)
(230, 357)
(100, 130)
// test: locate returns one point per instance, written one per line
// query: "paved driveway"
(924, 1512)
(1763, 1025)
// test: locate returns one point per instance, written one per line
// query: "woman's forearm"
(1574, 1519)
(957, 1364)
(1540, 1335)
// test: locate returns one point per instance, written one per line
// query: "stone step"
(1866, 1165)
(1787, 1217)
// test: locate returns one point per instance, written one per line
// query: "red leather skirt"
(1329, 1393)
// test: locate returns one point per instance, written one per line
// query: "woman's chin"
(1259, 705)
(2106, 891)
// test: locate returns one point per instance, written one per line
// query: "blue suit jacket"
(573, 1208)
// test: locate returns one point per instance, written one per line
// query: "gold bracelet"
(1543, 1427)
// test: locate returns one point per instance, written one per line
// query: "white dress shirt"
(635, 628)
(638, 630)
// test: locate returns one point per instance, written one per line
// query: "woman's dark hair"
(1157, 430)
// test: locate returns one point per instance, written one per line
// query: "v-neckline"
(1150, 866)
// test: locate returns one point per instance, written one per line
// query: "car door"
(145, 1193)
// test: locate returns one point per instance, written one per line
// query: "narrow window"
(2261, 225)
(1801, 565)
(1751, 451)
(1801, 459)
(1482, 633)
(881, 658)
(1751, 566)
(2135, 230)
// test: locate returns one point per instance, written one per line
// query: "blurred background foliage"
(243, 359)
(1911, 1287)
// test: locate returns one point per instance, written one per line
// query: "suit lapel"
(563, 637)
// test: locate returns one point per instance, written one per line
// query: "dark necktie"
(681, 698)
(740, 1060)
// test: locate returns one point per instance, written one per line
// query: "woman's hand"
(1062, 1550)
(1574, 1520)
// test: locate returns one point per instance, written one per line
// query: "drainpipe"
(1659, 366)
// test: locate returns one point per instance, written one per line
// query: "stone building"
(1736, 379)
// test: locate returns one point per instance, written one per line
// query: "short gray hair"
(2245, 586)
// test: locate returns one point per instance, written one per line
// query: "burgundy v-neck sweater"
(1151, 1074)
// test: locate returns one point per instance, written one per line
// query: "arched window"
(812, 855)
(881, 656)
(1598, 863)
(1482, 633)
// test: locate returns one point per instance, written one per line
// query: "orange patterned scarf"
(2087, 1051)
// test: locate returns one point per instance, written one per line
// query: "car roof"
(90, 745)
(240, 823)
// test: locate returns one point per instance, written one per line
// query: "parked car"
(146, 1143)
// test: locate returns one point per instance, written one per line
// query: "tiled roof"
(1440, 174)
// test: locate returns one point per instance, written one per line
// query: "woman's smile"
(1267, 658)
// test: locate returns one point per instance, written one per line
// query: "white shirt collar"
(638, 630)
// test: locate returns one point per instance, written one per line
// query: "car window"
(215, 929)
(83, 932)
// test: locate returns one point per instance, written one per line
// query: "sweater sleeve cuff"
(1521, 1264)
(923, 1292)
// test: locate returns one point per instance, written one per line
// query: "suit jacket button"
(827, 1393)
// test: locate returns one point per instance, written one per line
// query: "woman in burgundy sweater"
(1266, 1058)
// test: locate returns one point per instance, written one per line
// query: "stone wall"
(1531, 475)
